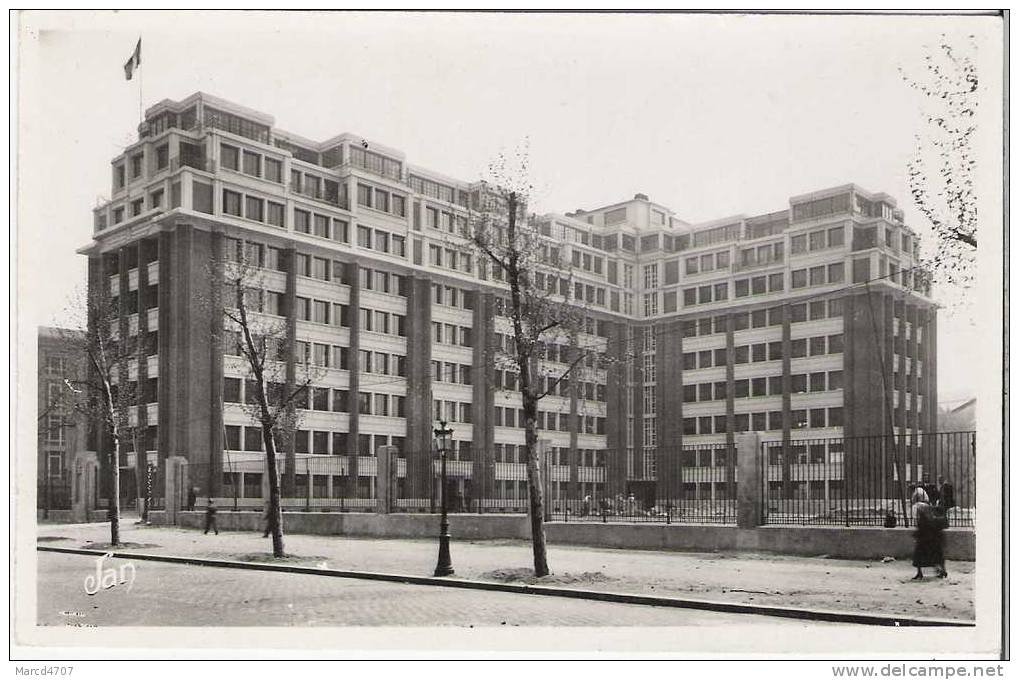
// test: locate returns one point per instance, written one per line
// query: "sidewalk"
(815, 583)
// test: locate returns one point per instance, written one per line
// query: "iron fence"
(694, 484)
(54, 492)
(868, 481)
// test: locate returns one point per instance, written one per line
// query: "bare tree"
(262, 342)
(941, 174)
(541, 308)
(106, 397)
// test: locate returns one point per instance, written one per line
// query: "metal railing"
(868, 481)
(695, 484)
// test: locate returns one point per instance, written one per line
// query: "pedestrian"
(268, 521)
(192, 497)
(932, 492)
(929, 549)
(210, 516)
(946, 494)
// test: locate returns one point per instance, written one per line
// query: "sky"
(710, 115)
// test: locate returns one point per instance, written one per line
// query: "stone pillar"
(85, 469)
(385, 478)
(545, 468)
(748, 483)
(176, 483)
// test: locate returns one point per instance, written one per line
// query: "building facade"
(60, 430)
(810, 322)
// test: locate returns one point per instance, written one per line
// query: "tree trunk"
(275, 509)
(114, 509)
(536, 509)
(141, 460)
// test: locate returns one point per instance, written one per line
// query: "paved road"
(180, 595)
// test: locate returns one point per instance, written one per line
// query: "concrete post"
(748, 480)
(175, 484)
(385, 475)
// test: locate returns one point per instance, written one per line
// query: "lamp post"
(444, 567)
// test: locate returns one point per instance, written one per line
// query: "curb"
(549, 591)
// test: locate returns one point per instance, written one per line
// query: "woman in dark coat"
(929, 550)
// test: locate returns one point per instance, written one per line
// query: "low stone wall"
(853, 543)
(69, 517)
(400, 525)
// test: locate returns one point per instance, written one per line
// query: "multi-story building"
(60, 431)
(809, 322)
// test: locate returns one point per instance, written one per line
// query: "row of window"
(320, 442)
(447, 372)
(441, 220)
(383, 200)
(549, 421)
(507, 381)
(762, 318)
(764, 351)
(450, 258)
(818, 276)
(765, 421)
(451, 411)
(323, 226)
(452, 334)
(381, 240)
(451, 296)
(800, 383)
(254, 208)
(251, 163)
(699, 265)
(587, 262)
(817, 240)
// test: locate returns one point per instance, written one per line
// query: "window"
(835, 380)
(302, 221)
(836, 272)
(274, 170)
(742, 287)
(341, 231)
(817, 346)
(799, 278)
(254, 208)
(252, 164)
(798, 244)
(836, 237)
(274, 214)
(229, 157)
(776, 283)
(817, 276)
(231, 202)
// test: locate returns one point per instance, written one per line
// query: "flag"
(134, 62)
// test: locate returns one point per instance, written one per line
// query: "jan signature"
(104, 579)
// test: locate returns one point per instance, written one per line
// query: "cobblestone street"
(819, 583)
(176, 595)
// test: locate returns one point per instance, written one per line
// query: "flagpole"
(141, 77)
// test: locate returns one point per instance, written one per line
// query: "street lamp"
(443, 437)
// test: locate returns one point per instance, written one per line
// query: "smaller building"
(60, 434)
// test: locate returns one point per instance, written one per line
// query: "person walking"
(210, 516)
(192, 497)
(928, 549)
